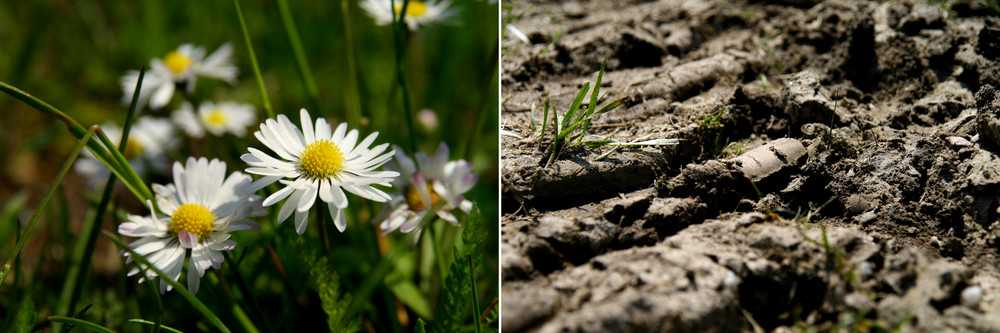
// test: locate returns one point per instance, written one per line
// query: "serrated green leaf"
(420, 326)
(455, 297)
(325, 279)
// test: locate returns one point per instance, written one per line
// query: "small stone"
(957, 141)
(972, 295)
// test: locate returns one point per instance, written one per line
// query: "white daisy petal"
(323, 171)
(308, 198)
(206, 205)
(439, 185)
(300, 221)
(307, 126)
(289, 206)
(193, 279)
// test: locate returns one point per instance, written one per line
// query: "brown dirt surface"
(838, 169)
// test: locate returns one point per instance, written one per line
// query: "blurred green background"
(72, 54)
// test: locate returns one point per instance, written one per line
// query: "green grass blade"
(83, 251)
(545, 115)
(475, 295)
(593, 100)
(399, 30)
(8, 215)
(352, 75)
(571, 114)
(245, 289)
(610, 106)
(78, 315)
(180, 289)
(150, 323)
(78, 131)
(80, 322)
(45, 200)
(24, 315)
(305, 72)
(243, 319)
(130, 179)
(597, 89)
(408, 293)
(253, 61)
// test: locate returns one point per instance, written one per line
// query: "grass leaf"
(96, 147)
(593, 98)
(253, 61)
(408, 293)
(45, 200)
(24, 316)
(80, 322)
(305, 72)
(150, 323)
(571, 113)
(84, 248)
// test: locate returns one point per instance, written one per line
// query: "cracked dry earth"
(850, 180)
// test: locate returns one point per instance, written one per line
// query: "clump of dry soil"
(851, 182)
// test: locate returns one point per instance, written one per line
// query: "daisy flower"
(215, 118)
(180, 67)
(201, 208)
(431, 183)
(316, 161)
(418, 13)
(148, 142)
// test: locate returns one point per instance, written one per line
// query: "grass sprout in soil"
(831, 165)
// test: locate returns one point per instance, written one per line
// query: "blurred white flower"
(428, 119)
(202, 207)
(418, 13)
(431, 182)
(183, 65)
(317, 161)
(148, 142)
(215, 118)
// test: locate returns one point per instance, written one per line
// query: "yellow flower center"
(413, 9)
(195, 219)
(413, 199)
(177, 62)
(132, 149)
(321, 159)
(215, 117)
